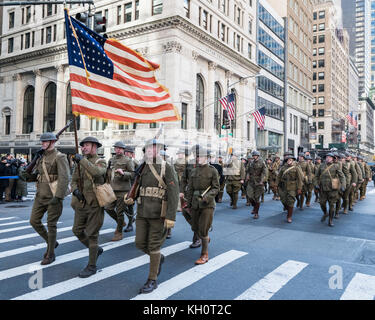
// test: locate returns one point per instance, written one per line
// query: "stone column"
(192, 108)
(60, 117)
(18, 108)
(243, 100)
(38, 103)
(209, 111)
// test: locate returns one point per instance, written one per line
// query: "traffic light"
(99, 23)
(226, 122)
(83, 17)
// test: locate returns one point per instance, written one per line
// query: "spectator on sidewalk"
(4, 171)
(21, 188)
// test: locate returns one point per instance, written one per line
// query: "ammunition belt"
(52, 177)
(153, 192)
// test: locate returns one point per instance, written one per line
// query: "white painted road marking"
(265, 288)
(38, 246)
(361, 287)
(187, 278)
(9, 218)
(12, 223)
(14, 272)
(19, 228)
(77, 283)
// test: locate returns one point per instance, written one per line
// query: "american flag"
(228, 104)
(355, 121)
(260, 117)
(343, 136)
(349, 116)
(110, 81)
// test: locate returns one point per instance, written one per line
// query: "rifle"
(29, 169)
(131, 195)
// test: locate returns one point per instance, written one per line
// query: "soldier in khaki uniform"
(88, 216)
(289, 184)
(120, 172)
(129, 209)
(201, 192)
(366, 179)
(53, 165)
(180, 166)
(222, 180)
(235, 173)
(310, 185)
(351, 180)
(256, 173)
(273, 173)
(324, 179)
(306, 171)
(157, 201)
(318, 161)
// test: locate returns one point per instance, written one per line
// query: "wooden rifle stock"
(132, 193)
(40, 152)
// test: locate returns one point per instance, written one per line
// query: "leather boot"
(262, 197)
(253, 204)
(161, 262)
(129, 227)
(149, 286)
(289, 216)
(203, 259)
(325, 215)
(56, 245)
(330, 219)
(48, 259)
(235, 199)
(256, 215)
(117, 236)
(88, 271)
(169, 234)
(301, 202)
(196, 242)
(220, 199)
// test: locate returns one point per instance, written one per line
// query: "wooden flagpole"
(80, 186)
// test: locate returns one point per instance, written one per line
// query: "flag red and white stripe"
(228, 104)
(260, 117)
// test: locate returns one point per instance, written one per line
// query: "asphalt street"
(249, 259)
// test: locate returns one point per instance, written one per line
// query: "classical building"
(271, 80)
(366, 128)
(298, 60)
(205, 49)
(330, 75)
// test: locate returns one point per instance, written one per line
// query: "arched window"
(49, 109)
(69, 112)
(6, 115)
(217, 108)
(199, 119)
(28, 110)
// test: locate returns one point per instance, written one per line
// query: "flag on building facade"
(343, 136)
(110, 81)
(355, 121)
(349, 116)
(260, 117)
(228, 104)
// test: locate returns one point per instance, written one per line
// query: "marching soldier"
(289, 184)
(119, 173)
(360, 178)
(318, 161)
(52, 166)
(328, 179)
(306, 171)
(268, 184)
(222, 180)
(339, 160)
(351, 180)
(367, 178)
(310, 185)
(89, 216)
(243, 189)
(202, 189)
(273, 170)
(215, 163)
(157, 201)
(256, 174)
(235, 177)
(180, 167)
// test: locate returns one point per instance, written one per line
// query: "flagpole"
(80, 186)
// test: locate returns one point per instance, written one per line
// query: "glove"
(168, 224)
(79, 195)
(77, 157)
(55, 201)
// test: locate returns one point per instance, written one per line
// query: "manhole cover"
(16, 206)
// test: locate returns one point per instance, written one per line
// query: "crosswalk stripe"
(9, 218)
(265, 288)
(31, 235)
(187, 278)
(361, 287)
(19, 228)
(14, 252)
(77, 283)
(14, 272)
(13, 223)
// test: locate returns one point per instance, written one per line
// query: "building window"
(48, 34)
(184, 116)
(322, 14)
(199, 124)
(28, 14)
(314, 52)
(11, 20)
(187, 8)
(314, 88)
(251, 26)
(42, 36)
(205, 19)
(119, 14)
(321, 26)
(157, 7)
(321, 87)
(249, 51)
(321, 51)
(127, 12)
(321, 63)
(54, 32)
(49, 109)
(10, 45)
(295, 125)
(320, 100)
(217, 109)
(69, 112)
(321, 125)
(321, 75)
(314, 28)
(321, 113)
(7, 122)
(49, 10)
(321, 38)
(314, 16)
(27, 40)
(28, 110)
(136, 16)
(314, 64)
(21, 41)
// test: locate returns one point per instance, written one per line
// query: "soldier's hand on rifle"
(299, 192)
(120, 171)
(55, 201)
(168, 224)
(353, 184)
(205, 200)
(77, 157)
(79, 195)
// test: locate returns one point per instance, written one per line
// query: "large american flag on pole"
(110, 81)
(260, 117)
(228, 104)
(349, 116)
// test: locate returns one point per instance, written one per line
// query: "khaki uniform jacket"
(367, 171)
(291, 180)
(118, 181)
(58, 169)
(256, 172)
(359, 172)
(201, 178)
(324, 177)
(345, 168)
(179, 167)
(97, 168)
(186, 175)
(234, 170)
(150, 206)
(306, 171)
